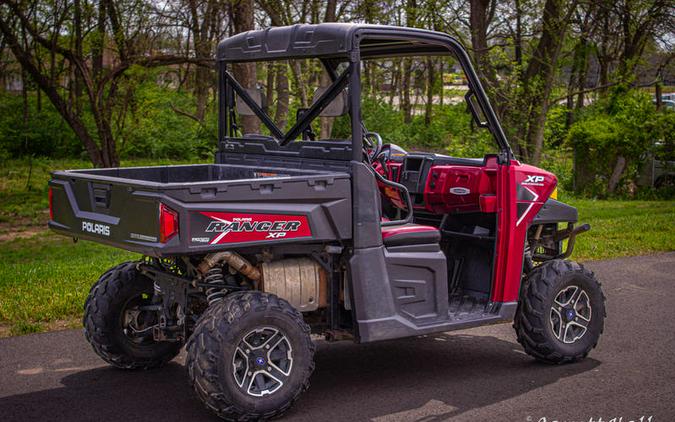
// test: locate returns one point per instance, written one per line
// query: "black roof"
(332, 41)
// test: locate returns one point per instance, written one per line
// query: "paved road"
(472, 375)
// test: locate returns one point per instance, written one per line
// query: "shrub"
(44, 133)
(450, 130)
(624, 125)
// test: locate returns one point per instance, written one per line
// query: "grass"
(45, 278)
(624, 228)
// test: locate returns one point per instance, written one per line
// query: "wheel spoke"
(557, 321)
(272, 341)
(240, 366)
(277, 354)
(571, 329)
(260, 381)
(580, 322)
(276, 373)
(564, 298)
(582, 306)
(575, 296)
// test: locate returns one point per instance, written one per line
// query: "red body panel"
(457, 188)
(516, 192)
(527, 187)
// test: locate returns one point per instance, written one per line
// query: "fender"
(554, 212)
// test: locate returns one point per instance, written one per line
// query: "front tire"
(250, 356)
(112, 302)
(561, 312)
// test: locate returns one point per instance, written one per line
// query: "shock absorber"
(217, 292)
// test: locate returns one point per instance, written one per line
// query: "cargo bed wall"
(218, 206)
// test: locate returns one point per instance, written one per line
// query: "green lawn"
(44, 277)
(624, 228)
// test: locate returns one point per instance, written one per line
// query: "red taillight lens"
(168, 223)
(51, 207)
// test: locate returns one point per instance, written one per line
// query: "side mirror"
(476, 109)
(257, 95)
(336, 108)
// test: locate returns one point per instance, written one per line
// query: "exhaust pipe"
(234, 260)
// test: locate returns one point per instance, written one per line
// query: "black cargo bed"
(120, 206)
(188, 174)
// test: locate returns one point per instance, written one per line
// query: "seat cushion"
(410, 234)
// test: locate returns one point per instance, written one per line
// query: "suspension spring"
(216, 293)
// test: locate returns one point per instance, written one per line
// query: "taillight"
(168, 223)
(51, 207)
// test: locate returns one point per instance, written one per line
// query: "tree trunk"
(539, 76)
(281, 113)
(518, 38)
(77, 79)
(245, 73)
(615, 178)
(202, 86)
(406, 74)
(270, 70)
(301, 91)
(327, 122)
(658, 95)
(430, 91)
(405, 90)
(61, 106)
(480, 19)
(99, 42)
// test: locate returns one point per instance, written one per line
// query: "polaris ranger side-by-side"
(288, 235)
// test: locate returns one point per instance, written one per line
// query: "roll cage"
(333, 44)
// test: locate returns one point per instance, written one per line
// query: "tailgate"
(108, 212)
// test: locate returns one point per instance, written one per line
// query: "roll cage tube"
(230, 86)
(452, 46)
(381, 42)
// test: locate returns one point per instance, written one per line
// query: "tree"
(245, 73)
(129, 37)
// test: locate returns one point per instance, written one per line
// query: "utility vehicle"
(288, 236)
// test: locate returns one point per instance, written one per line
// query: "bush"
(450, 130)
(43, 134)
(154, 130)
(625, 124)
(151, 128)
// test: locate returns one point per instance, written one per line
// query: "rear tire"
(561, 312)
(120, 289)
(250, 356)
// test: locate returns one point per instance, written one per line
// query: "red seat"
(410, 234)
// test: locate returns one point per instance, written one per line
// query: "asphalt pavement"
(473, 375)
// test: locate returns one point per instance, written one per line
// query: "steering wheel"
(372, 145)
